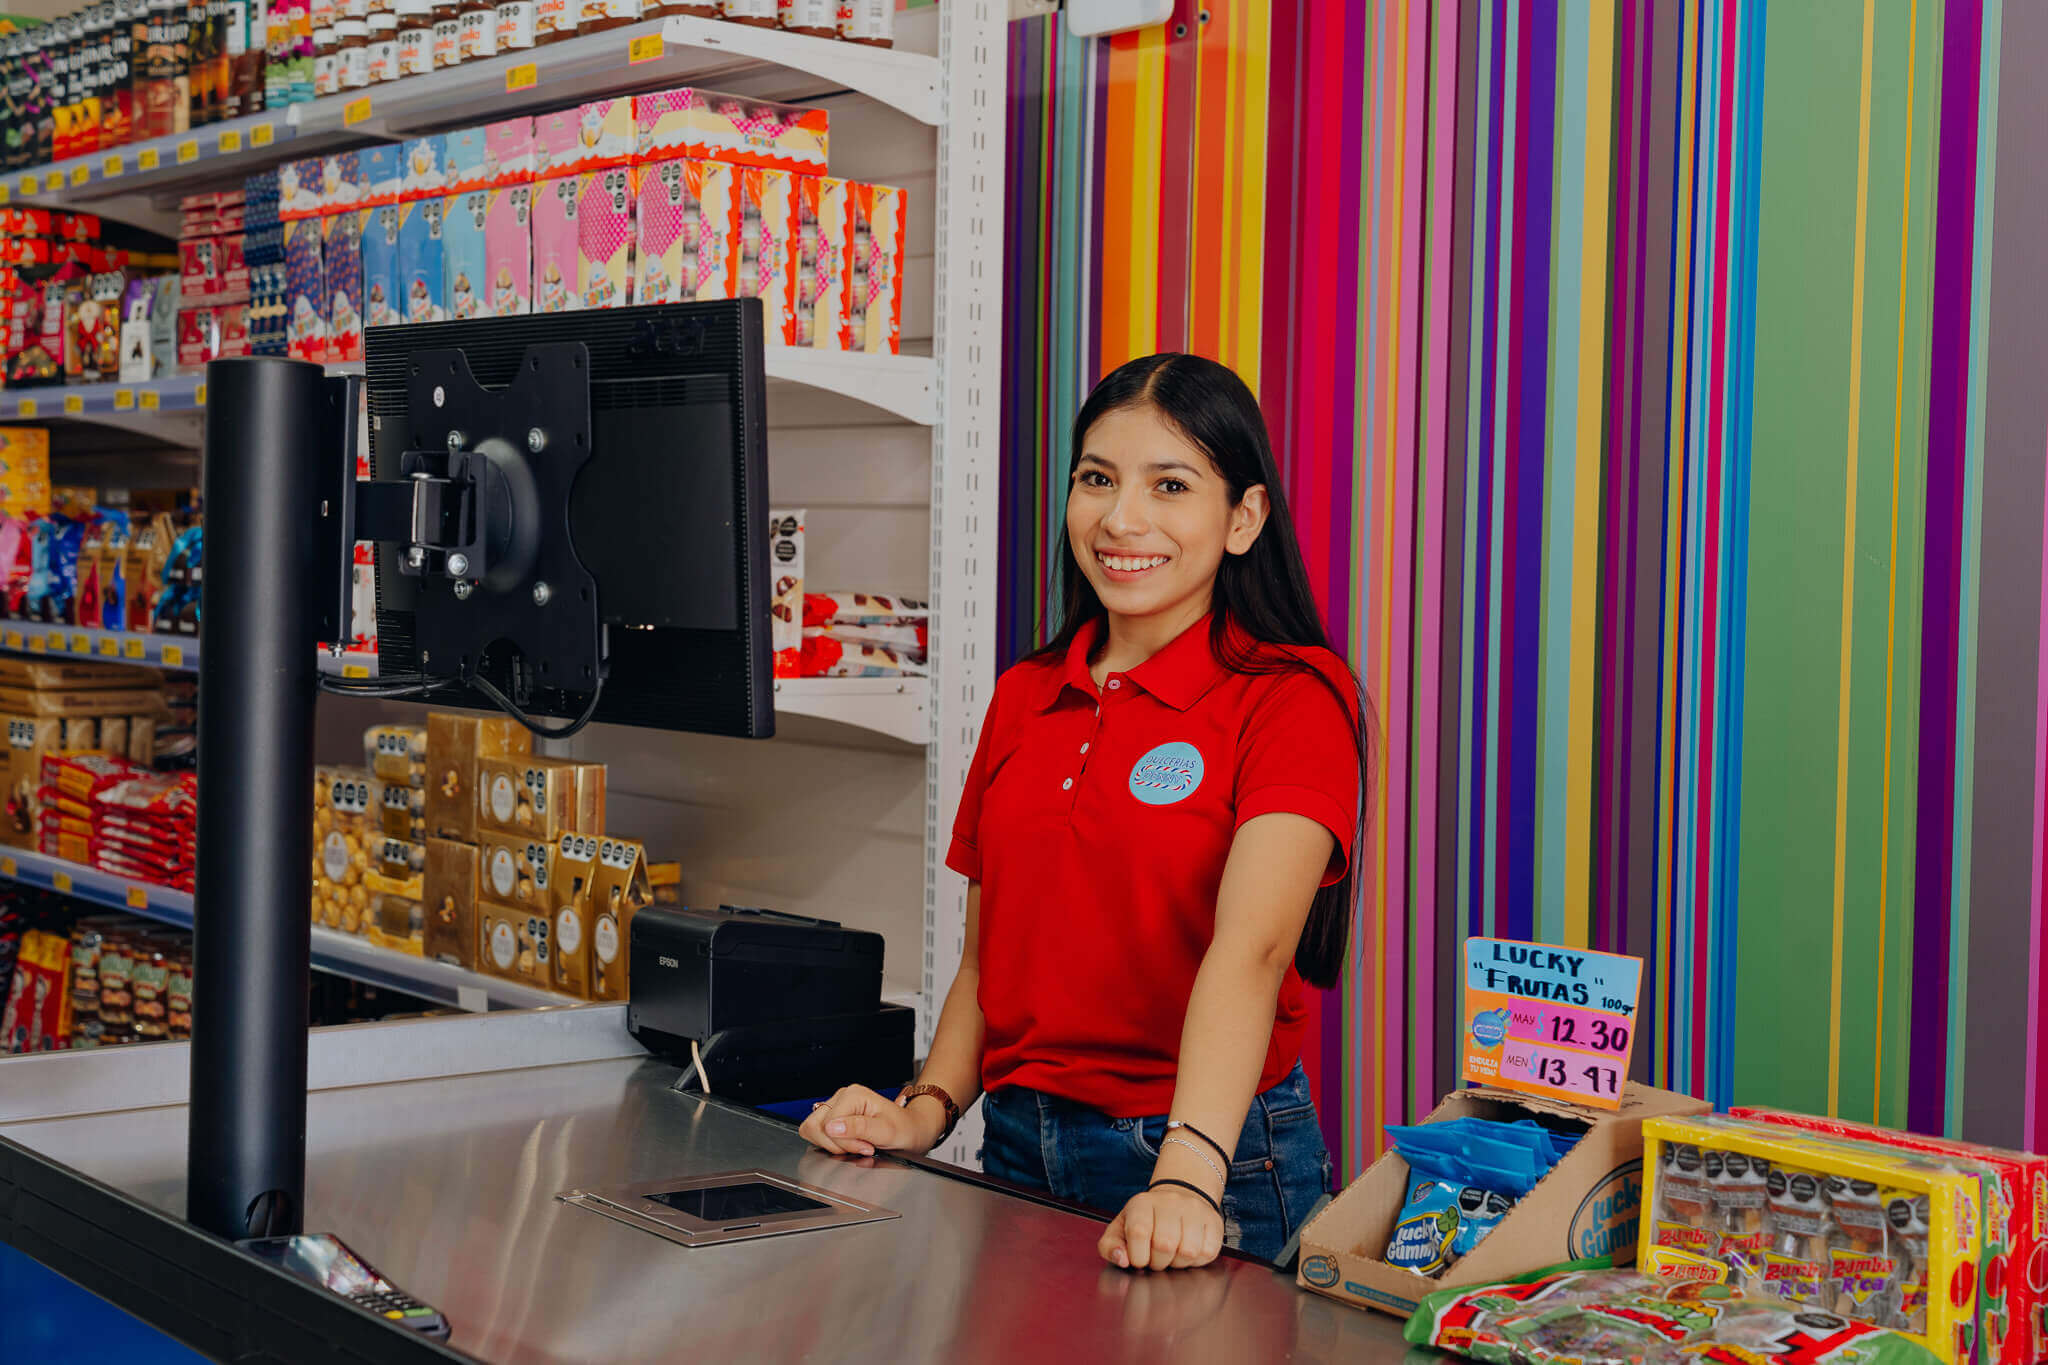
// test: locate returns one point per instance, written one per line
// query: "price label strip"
(1556, 1022)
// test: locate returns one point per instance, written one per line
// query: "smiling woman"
(1157, 831)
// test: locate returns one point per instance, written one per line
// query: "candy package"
(1464, 1176)
(1870, 1235)
(2014, 1291)
(1611, 1317)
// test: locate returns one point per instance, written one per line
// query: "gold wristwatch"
(911, 1092)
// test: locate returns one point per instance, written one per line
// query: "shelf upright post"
(967, 322)
(258, 687)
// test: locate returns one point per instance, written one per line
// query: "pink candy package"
(554, 246)
(508, 250)
(689, 235)
(509, 152)
(604, 237)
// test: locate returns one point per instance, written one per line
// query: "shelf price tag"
(356, 111)
(150, 400)
(646, 48)
(230, 142)
(110, 647)
(8, 868)
(1556, 1022)
(354, 671)
(81, 644)
(80, 174)
(524, 76)
(174, 656)
(26, 407)
(59, 644)
(13, 639)
(138, 898)
(133, 648)
(29, 185)
(149, 158)
(62, 881)
(262, 135)
(6, 194)
(188, 151)
(124, 400)
(74, 403)
(199, 394)
(37, 644)
(112, 167)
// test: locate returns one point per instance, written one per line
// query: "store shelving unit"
(341, 954)
(954, 88)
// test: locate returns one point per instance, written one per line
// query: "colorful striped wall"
(1660, 389)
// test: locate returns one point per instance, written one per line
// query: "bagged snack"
(826, 656)
(1609, 1317)
(845, 609)
(1464, 1176)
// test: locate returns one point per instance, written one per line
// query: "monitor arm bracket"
(481, 518)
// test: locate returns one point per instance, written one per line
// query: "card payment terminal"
(326, 1261)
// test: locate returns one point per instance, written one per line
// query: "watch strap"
(911, 1092)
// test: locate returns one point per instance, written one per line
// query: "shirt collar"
(1179, 675)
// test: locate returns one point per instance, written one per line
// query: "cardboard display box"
(455, 746)
(539, 798)
(1587, 1206)
(450, 883)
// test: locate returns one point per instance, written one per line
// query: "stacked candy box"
(1875, 1236)
(2015, 1279)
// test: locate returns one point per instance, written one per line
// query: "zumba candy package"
(1608, 1317)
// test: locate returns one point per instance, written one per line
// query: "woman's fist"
(858, 1122)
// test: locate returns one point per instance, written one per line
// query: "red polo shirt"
(1098, 823)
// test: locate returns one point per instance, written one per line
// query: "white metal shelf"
(337, 953)
(646, 56)
(903, 385)
(897, 707)
(178, 653)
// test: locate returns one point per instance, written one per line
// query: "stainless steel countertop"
(448, 1185)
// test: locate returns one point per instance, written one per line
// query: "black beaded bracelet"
(1172, 1124)
(1207, 1197)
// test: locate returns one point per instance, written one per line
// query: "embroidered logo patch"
(1167, 774)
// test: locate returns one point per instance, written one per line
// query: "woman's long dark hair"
(1264, 592)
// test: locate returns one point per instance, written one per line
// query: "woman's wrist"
(928, 1113)
(1177, 1161)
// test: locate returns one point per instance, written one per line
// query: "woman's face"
(1149, 518)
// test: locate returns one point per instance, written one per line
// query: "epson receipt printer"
(781, 1007)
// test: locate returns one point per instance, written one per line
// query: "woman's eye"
(1172, 486)
(1094, 478)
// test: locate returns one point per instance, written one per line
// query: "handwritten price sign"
(1558, 1022)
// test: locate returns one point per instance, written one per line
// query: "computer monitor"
(667, 517)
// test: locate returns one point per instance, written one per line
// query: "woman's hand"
(1165, 1228)
(859, 1122)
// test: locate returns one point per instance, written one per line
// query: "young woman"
(1157, 832)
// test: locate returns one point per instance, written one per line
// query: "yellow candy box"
(1845, 1228)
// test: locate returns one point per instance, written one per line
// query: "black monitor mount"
(482, 518)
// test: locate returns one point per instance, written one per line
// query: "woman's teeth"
(1124, 564)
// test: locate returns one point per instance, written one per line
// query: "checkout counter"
(437, 1148)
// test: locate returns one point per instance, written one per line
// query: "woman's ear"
(1247, 519)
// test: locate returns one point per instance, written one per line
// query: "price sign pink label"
(1540, 1021)
(1575, 1074)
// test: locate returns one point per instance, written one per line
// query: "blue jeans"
(1278, 1171)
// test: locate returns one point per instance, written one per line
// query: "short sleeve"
(964, 856)
(1299, 754)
